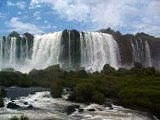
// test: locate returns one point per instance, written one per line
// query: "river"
(37, 104)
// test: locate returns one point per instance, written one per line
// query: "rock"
(91, 110)
(25, 103)
(109, 104)
(108, 69)
(12, 105)
(30, 107)
(111, 108)
(72, 108)
(80, 110)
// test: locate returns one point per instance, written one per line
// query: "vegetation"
(2, 95)
(1, 102)
(137, 88)
(21, 118)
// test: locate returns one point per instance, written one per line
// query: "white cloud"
(21, 4)
(103, 12)
(107, 13)
(147, 26)
(19, 26)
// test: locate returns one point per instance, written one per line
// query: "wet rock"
(109, 104)
(72, 108)
(110, 107)
(12, 105)
(30, 107)
(80, 110)
(91, 110)
(25, 103)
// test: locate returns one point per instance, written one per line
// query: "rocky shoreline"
(41, 102)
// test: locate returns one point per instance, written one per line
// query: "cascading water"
(148, 55)
(70, 49)
(98, 49)
(13, 55)
(46, 50)
(141, 52)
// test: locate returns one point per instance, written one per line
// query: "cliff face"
(141, 48)
(70, 49)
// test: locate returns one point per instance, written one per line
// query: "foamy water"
(47, 108)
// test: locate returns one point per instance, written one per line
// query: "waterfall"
(141, 52)
(98, 49)
(70, 49)
(14, 52)
(12, 48)
(138, 52)
(148, 58)
(46, 50)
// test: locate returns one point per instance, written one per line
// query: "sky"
(44, 16)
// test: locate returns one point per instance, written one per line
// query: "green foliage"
(84, 92)
(99, 98)
(14, 118)
(1, 102)
(2, 94)
(24, 118)
(21, 118)
(57, 89)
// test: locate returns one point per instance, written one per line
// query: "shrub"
(57, 89)
(21, 118)
(24, 118)
(83, 92)
(2, 94)
(149, 71)
(1, 102)
(99, 98)
(14, 118)
(87, 92)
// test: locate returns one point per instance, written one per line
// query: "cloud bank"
(19, 26)
(125, 15)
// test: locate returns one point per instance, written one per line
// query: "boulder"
(72, 108)
(30, 107)
(80, 110)
(25, 103)
(12, 105)
(91, 109)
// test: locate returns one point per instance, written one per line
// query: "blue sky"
(43, 16)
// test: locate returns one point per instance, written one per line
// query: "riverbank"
(138, 88)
